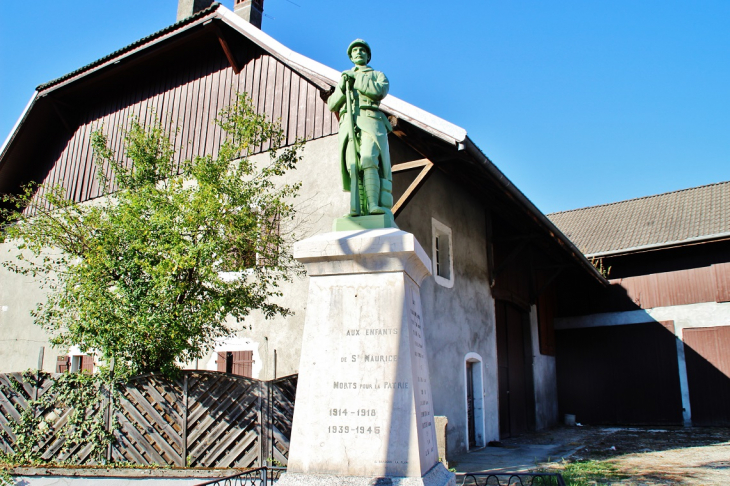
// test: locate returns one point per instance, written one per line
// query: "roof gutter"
(522, 200)
(661, 246)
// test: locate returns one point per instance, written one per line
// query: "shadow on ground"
(555, 447)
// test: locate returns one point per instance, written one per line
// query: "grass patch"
(583, 473)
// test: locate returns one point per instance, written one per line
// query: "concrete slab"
(525, 453)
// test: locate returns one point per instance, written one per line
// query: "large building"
(489, 306)
(654, 347)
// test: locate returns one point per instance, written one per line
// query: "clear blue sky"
(578, 102)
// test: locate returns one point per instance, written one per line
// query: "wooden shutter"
(87, 364)
(62, 364)
(242, 363)
(221, 361)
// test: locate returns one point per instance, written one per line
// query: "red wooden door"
(707, 354)
(516, 390)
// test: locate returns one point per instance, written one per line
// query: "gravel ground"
(655, 456)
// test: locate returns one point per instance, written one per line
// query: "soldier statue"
(363, 136)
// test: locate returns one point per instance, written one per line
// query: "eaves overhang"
(143, 43)
(665, 245)
(13, 133)
(542, 221)
(438, 127)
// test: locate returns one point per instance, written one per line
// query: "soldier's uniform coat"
(369, 89)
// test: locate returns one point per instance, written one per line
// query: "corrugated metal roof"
(133, 45)
(665, 219)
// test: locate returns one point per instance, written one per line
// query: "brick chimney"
(186, 8)
(251, 11)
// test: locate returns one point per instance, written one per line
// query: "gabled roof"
(324, 77)
(669, 219)
(144, 40)
(438, 126)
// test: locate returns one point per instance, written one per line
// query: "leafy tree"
(148, 274)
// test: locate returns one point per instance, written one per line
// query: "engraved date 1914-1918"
(360, 412)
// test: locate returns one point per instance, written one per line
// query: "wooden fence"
(202, 419)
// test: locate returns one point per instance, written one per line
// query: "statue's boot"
(363, 200)
(371, 181)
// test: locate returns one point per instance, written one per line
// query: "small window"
(75, 363)
(236, 362)
(443, 259)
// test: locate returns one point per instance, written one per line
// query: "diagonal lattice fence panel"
(224, 420)
(17, 392)
(281, 412)
(150, 413)
(203, 418)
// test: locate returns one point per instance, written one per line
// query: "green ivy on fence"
(72, 410)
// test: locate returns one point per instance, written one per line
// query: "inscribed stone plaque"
(364, 405)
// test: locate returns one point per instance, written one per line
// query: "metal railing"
(261, 476)
(499, 478)
(267, 476)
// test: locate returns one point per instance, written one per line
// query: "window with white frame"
(442, 254)
(235, 355)
(75, 362)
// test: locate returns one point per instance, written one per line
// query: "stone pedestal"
(364, 412)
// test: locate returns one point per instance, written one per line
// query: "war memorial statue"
(363, 137)
(364, 410)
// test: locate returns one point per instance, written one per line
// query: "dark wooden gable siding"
(186, 98)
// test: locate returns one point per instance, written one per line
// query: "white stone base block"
(364, 411)
(437, 476)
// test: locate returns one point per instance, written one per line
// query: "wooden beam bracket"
(68, 124)
(226, 47)
(416, 164)
(414, 187)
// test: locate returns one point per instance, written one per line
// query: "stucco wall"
(320, 202)
(20, 339)
(458, 320)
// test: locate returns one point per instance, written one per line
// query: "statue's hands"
(345, 79)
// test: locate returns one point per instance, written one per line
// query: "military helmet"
(362, 43)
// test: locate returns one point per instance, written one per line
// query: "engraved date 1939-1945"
(346, 429)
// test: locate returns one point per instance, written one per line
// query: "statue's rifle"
(354, 151)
